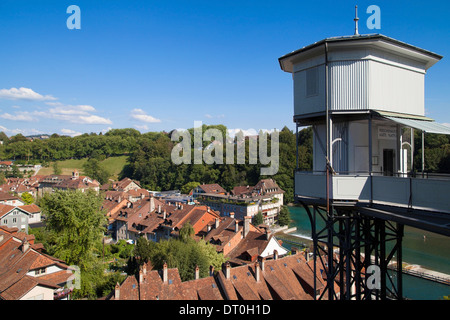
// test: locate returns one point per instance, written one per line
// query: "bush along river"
(427, 249)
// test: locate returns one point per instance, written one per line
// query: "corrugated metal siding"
(340, 147)
(348, 83)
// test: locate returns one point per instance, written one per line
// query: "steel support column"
(346, 243)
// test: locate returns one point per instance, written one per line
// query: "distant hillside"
(112, 164)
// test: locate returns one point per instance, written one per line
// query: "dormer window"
(39, 271)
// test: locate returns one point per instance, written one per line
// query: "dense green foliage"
(437, 152)
(77, 224)
(184, 254)
(74, 233)
(93, 168)
(284, 216)
(27, 198)
(150, 158)
(150, 161)
(258, 219)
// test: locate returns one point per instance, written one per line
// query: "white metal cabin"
(363, 95)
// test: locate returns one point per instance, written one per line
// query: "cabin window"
(312, 82)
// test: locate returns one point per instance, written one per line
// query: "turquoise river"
(430, 250)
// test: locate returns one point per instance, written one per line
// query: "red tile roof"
(149, 285)
(212, 188)
(287, 278)
(17, 258)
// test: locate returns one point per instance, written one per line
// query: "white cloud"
(60, 108)
(70, 132)
(91, 119)
(142, 127)
(220, 116)
(23, 94)
(249, 132)
(80, 114)
(25, 132)
(141, 115)
(18, 116)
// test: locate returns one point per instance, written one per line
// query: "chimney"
(307, 255)
(1, 237)
(275, 254)
(232, 215)
(152, 203)
(181, 207)
(128, 204)
(217, 223)
(142, 196)
(208, 227)
(159, 208)
(236, 226)
(25, 245)
(197, 273)
(211, 271)
(268, 233)
(164, 277)
(119, 200)
(142, 272)
(117, 292)
(257, 271)
(262, 262)
(164, 214)
(246, 225)
(227, 270)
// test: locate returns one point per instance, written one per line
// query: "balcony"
(429, 193)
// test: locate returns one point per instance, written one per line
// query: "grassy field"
(112, 164)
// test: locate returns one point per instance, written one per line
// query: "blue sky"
(161, 65)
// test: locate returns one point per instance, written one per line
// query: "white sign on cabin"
(389, 133)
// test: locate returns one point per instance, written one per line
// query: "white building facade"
(363, 95)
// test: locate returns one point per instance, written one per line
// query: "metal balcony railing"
(422, 191)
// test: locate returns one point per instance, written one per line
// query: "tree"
(56, 168)
(143, 250)
(27, 198)
(77, 223)
(93, 169)
(182, 254)
(185, 189)
(258, 219)
(186, 232)
(214, 258)
(284, 217)
(2, 177)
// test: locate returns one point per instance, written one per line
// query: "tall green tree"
(56, 168)
(258, 219)
(284, 217)
(186, 232)
(77, 223)
(95, 170)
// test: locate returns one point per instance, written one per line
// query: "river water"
(430, 250)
